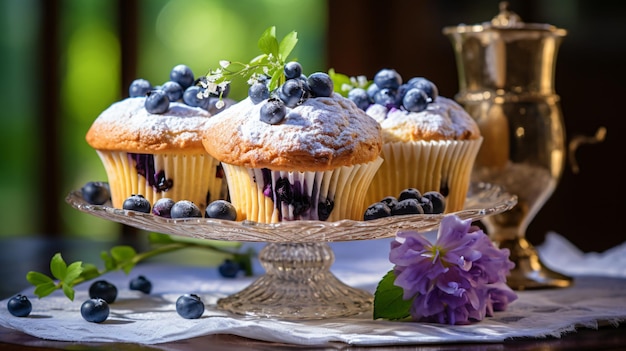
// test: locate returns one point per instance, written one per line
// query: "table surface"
(18, 256)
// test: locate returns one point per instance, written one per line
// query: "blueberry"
(19, 306)
(409, 193)
(163, 207)
(157, 102)
(96, 193)
(377, 210)
(407, 206)
(191, 98)
(415, 100)
(189, 306)
(320, 84)
(360, 98)
(426, 204)
(388, 78)
(291, 92)
(258, 92)
(386, 97)
(437, 199)
(221, 209)
(95, 310)
(104, 290)
(426, 86)
(139, 88)
(391, 201)
(137, 202)
(173, 90)
(185, 209)
(292, 70)
(228, 268)
(273, 111)
(140, 283)
(182, 75)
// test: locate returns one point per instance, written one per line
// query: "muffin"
(156, 154)
(286, 159)
(429, 141)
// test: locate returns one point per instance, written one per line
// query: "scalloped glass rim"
(483, 199)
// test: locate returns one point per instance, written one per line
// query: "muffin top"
(319, 134)
(127, 126)
(443, 119)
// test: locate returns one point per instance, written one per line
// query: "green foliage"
(388, 301)
(269, 64)
(343, 83)
(125, 258)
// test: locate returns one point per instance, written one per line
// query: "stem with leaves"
(65, 277)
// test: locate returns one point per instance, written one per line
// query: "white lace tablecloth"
(597, 296)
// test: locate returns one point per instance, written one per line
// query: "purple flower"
(458, 279)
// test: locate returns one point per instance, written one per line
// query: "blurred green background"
(197, 33)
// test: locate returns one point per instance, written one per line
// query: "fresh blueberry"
(163, 207)
(191, 96)
(96, 193)
(258, 92)
(212, 103)
(273, 111)
(189, 306)
(157, 102)
(377, 210)
(388, 78)
(386, 97)
(415, 100)
(320, 84)
(409, 193)
(292, 70)
(407, 206)
(140, 283)
(360, 98)
(390, 201)
(291, 92)
(139, 88)
(185, 209)
(426, 204)
(437, 199)
(19, 306)
(221, 209)
(173, 90)
(95, 310)
(137, 202)
(229, 268)
(104, 290)
(182, 75)
(426, 86)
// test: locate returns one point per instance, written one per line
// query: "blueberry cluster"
(168, 208)
(181, 87)
(293, 92)
(410, 201)
(389, 90)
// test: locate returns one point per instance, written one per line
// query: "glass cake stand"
(297, 283)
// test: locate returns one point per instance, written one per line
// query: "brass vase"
(506, 83)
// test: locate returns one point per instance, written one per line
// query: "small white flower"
(219, 104)
(346, 87)
(224, 63)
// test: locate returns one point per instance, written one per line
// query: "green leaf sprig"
(123, 257)
(270, 64)
(344, 83)
(388, 301)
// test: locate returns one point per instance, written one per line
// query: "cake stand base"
(529, 271)
(297, 285)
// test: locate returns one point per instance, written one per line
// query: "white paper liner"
(194, 176)
(426, 165)
(344, 187)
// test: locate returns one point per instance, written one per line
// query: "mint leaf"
(73, 271)
(286, 45)
(388, 302)
(36, 278)
(90, 271)
(109, 262)
(45, 289)
(124, 255)
(268, 43)
(58, 267)
(68, 291)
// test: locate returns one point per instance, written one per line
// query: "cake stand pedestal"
(298, 284)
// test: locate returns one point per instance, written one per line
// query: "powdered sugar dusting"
(442, 119)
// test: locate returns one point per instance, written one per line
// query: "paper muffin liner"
(443, 166)
(266, 196)
(192, 176)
